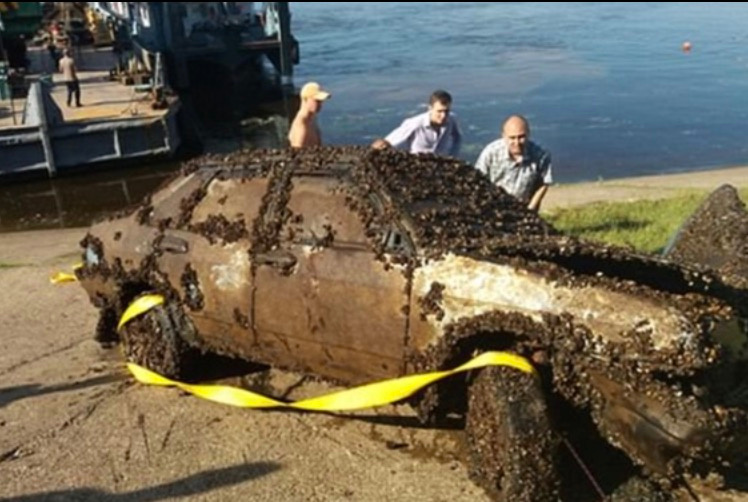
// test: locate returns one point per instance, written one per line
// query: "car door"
(324, 302)
(206, 254)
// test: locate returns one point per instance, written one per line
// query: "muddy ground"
(74, 426)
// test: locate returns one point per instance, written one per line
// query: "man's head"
(439, 106)
(516, 132)
(312, 96)
(67, 53)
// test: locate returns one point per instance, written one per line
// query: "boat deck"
(115, 124)
(101, 97)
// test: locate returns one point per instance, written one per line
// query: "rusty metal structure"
(230, 56)
(353, 265)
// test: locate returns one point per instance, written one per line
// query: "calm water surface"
(606, 86)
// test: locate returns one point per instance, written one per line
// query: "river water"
(608, 88)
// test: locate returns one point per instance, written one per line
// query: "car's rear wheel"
(512, 447)
(153, 340)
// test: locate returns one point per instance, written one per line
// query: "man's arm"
(297, 136)
(403, 135)
(546, 179)
(482, 164)
(537, 198)
(456, 139)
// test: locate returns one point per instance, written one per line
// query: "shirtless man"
(304, 130)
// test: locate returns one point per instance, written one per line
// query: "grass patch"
(646, 225)
(11, 265)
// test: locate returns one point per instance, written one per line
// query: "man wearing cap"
(304, 130)
(435, 131)
(516, 164)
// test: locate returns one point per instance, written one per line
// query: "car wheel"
(106, 329)
(638, 489)
(153, 341)
(512, 447)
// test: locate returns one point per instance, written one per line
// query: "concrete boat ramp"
(40, 135)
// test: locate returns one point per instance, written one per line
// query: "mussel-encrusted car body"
(357, 265)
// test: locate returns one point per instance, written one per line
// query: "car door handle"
(171, 244)
(279, 258)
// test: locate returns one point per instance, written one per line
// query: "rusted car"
(357, 265)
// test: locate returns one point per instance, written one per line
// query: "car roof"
(446, 203)
(448, 206)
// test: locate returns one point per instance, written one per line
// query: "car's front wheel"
(637, 489)
(512, 447)
(153, 340)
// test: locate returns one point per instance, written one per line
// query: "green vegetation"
(10, 265)
(646, 225)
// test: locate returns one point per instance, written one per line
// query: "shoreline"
(648, 187)
(565, 195)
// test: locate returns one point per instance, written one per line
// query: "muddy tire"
(638, 489)
(106, 329)
(153, 341)
(512, 447)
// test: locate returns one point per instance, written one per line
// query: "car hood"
(472, 287)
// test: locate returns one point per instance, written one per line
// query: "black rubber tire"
(513, 450)
(152, 340)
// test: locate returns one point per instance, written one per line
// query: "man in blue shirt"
(516, 164)
(435, 131)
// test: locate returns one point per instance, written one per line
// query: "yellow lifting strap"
(65, 277)
(362, 397)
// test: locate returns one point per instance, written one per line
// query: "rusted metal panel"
(317, 210)
(372, 317)
(166, 202)
(222, 337)
(215, 273)
(126, 240)
(337, 295)
(335, 298)
(100, 289)
(232, 198)
(214, 282)
(348, 366)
